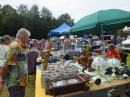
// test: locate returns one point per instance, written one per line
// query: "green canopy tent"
(54, 38)
(103, 20)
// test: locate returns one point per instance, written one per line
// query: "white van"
(126, 44)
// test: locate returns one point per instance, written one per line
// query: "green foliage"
(119, 33)
(46, 14)
(22, 10)
(7, 10)
(66, 18)
(38, 22)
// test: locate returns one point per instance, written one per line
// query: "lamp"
(113, 62)
(99, 63)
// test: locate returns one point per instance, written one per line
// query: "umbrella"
(103, 20)
(54, 38)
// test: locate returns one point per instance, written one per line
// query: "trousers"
(17, 91)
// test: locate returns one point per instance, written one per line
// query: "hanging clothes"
(31, 61)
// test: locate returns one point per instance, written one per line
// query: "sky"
(75, 8)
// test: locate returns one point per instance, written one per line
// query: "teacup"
(75, 71)
(61, 68)
(54, 76)
(49, 73)
(44, 81)
(43, 72)
(56, 65)
(66, 74)
(53, 70)
(66, 70)
(58, 72)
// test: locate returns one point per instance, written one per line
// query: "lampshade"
(99, 62)
(113, 62)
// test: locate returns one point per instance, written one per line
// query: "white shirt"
(3, 52)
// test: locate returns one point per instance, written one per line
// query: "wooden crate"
(68, 88)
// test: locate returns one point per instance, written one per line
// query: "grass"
(128, 59)
(30, 89)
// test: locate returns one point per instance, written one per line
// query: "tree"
(7, 10)
(120, 33)
(22, 10)
(34, 11)
(0, 9)
(45, 13)
(0, 18)
(7, 21)
(66, 18)
(39, 23)
(33, 22)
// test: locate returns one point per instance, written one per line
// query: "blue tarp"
(85, 36)
(58, 30)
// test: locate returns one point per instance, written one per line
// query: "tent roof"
(107, 20)
(126, 30)
(59, 29)
(65, 31)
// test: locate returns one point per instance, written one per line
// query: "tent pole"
(103, 48)
(50, 37)
(102, 34)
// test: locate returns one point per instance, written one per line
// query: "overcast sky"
(75, 8)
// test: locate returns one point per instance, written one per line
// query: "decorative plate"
(72, 81)
(59, 83)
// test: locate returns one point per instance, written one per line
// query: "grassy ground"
(128, 59)
(30, 90)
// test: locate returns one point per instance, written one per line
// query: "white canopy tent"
(126, 30)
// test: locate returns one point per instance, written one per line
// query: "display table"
(95, 90)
